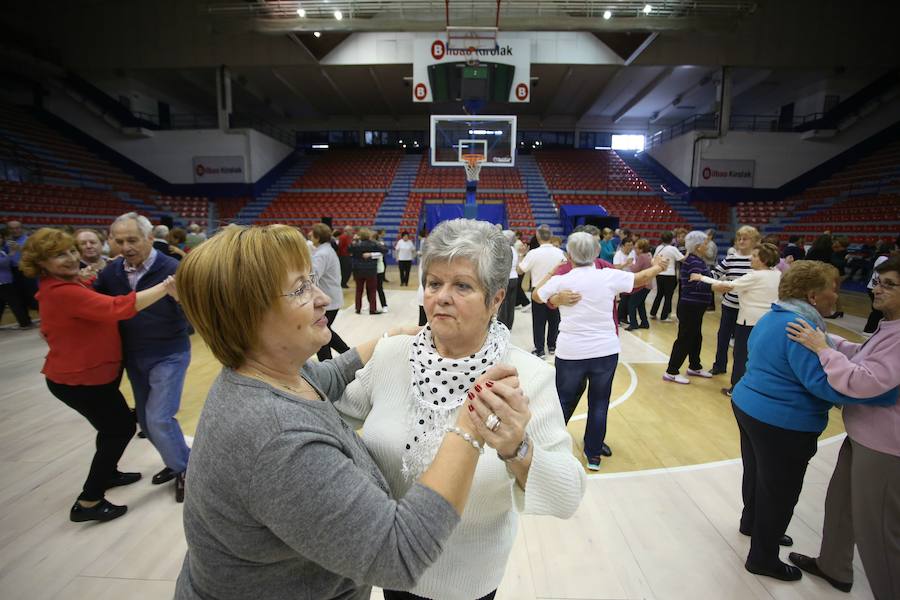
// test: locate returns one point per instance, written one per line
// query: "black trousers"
(507, 311)
(741, 335)
(423, 318)
(775, 462)
(380, 288)
(104, 407)
(665, 289)
(874, 317)
(622, 308)
(543, 320)
(392, 595)
(405, 267)
(689, 338)
(727, 323)
(10, 295)
(336, 342)
(346, 269)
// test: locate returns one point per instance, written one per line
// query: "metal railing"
(211, 121)
(710, 122)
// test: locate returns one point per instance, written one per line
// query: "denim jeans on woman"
(572, 376)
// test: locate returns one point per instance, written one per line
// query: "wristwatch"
(521, 451)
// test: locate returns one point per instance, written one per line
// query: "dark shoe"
(142, 435)
(809, 564)
(645, 326)
(782, 571)
(717, 371)
(538, 353)
(726, 392)
(163, 476)
(605, 450)
(551, 350)
(179, 487)
(784, 540)
(102, 511)
(120, 479)
(631, 328)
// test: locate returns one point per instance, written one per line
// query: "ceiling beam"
(645, 91)
(384, 96)
(679, 98)
(257, 94)
(742, 86)
(325, 74)
(556, 94)
(295, 91)
(641, 48)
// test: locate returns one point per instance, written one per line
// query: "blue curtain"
(435, 213)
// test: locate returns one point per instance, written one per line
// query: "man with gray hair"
(539, 262)
(156, 346)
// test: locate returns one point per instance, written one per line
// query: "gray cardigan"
(284, 501)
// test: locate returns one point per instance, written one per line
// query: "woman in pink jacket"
(862, 505)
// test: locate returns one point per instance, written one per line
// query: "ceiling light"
(301, 12)
(318, 34)
(647, 9)
(339, 15)
(607, 15)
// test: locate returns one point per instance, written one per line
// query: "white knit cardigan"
(474, 558)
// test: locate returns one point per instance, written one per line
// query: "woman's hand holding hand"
(807, 335)
(660, 261)
(505, 373)
(509, 405)
(696, 277)
(171, 287)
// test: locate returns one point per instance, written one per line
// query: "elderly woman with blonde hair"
(285, 501)
(781, 406)
(414, 386)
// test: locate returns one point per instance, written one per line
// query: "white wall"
(169, 154)
(780, 157)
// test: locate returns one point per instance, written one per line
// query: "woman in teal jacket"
(781, 406)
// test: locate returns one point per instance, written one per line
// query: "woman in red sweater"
(83, 366)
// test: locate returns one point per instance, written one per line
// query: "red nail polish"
(470, 407)
(471, 395)
(489, 384)
(477, 388)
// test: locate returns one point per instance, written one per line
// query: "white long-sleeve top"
(757, 290)
(474, 558)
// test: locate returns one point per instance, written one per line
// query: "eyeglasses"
(304, 293)
(885, 285)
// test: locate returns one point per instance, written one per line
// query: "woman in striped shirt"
(730, 268)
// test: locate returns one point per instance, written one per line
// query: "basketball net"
(472, 164)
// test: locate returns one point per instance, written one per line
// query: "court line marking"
(625, 395)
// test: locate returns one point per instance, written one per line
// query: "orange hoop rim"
(473, 159)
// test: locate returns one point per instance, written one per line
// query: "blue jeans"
(572, 376)
(157, 383)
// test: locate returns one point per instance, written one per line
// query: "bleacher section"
(595, 170)
(307, 208)
(351, 169)
(645, 215)
(44, 205)
(454, 178)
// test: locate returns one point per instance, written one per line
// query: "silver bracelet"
(466, 437)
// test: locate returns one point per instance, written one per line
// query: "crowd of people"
(414, 504)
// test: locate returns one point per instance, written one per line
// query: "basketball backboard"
(494, 136)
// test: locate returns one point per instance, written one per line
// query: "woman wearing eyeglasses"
(862, 505)
(285, 501)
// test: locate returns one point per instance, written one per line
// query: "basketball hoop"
(472, 164)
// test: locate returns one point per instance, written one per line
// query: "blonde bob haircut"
(227, 284)
(750, 231)
(44, 244)
(806, 276)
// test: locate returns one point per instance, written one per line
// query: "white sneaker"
(653, 317)
(670, 320)
(384, 309)
(676, 378)
(699, 373)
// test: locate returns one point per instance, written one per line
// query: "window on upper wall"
(628, 142)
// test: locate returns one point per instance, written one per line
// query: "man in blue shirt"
(156, 346)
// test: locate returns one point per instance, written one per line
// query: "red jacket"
(81, 327)
(344, 241)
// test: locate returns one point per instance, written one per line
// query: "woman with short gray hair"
(413, 387)
(695, 296)
(587, 349)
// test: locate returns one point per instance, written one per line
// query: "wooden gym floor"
(658, 521)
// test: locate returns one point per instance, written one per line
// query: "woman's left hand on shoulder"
(803, 333)
(509, 405)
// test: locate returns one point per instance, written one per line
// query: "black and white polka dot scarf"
(439, 388)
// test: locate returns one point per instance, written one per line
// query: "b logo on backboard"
(522, 91)
(437, 50)
(420, 91)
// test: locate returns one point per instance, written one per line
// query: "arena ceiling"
(668, 59)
